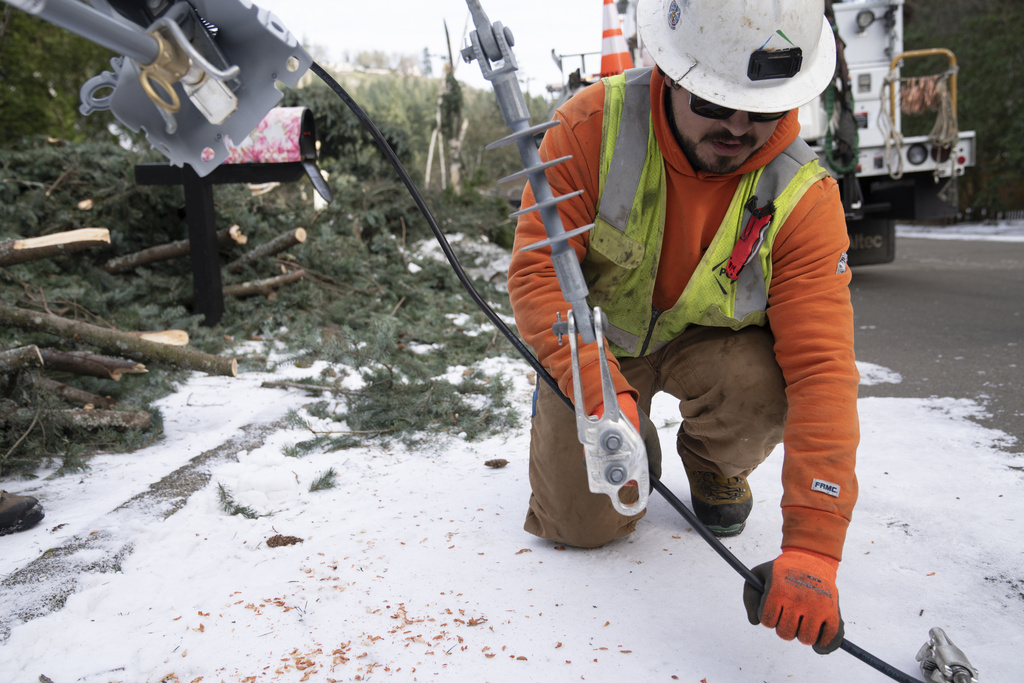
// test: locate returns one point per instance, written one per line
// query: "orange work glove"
(800, 599)
(627, 406)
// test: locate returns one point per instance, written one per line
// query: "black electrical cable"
(542, 372)
(421, 204)
(748, 576)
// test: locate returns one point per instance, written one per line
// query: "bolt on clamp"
(943, 662)
(616, 457)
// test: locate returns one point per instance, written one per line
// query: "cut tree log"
(168, 337)
(115, 341)
(79, 417)
(90, 364)
(164, 252)
(274, 246)
(72, 394)
(12, 360)
(265, 286)
(35, 248)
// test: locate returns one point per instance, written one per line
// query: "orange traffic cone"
(614, 52)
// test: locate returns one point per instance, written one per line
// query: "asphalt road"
(947, 316)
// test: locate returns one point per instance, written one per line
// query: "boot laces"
(714, 487)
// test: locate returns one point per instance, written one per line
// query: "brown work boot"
(722, 504)
(18, 512)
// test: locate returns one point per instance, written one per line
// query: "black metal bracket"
(201, 217)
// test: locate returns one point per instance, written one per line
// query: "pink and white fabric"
(275, 140)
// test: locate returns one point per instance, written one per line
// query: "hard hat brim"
(699, 78)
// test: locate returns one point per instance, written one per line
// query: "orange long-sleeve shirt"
(809, 307)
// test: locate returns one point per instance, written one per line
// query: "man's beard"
(716, 164)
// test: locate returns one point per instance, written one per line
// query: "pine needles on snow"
(228, 504)
(324, 481)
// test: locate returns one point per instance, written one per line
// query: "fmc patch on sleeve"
(825, 487)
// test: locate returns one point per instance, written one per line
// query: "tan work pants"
(733, 403)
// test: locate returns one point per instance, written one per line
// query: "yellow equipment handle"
(930, 52)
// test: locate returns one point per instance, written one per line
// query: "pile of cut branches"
(347, 287)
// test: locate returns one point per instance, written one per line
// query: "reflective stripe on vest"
(729, 287)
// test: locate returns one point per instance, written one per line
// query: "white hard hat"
(751, 55)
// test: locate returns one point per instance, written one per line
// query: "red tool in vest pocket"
(751, 238)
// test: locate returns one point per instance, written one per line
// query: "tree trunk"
(89, 419)
(12, 360)
(114, 341)
(91, 365)
(274, 246)
(36, 248)
(455, 149)
(163, 252)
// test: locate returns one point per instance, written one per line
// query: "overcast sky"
(406, 27)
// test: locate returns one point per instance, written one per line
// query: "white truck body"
(891, 181)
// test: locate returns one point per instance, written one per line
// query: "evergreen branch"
(228, 504)
(316, 388)
(324, 481)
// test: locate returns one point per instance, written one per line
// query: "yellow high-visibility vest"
(729, 288)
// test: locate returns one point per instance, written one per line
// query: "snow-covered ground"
(415, 566)
(995, 231)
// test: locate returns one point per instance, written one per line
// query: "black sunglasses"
(710, 110)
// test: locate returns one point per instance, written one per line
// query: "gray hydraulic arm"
(94, 26)
(180, 79)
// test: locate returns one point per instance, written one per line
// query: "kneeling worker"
(719, 257)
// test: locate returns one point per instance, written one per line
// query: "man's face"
(715, 146)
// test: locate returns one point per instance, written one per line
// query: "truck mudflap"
(872, 240)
